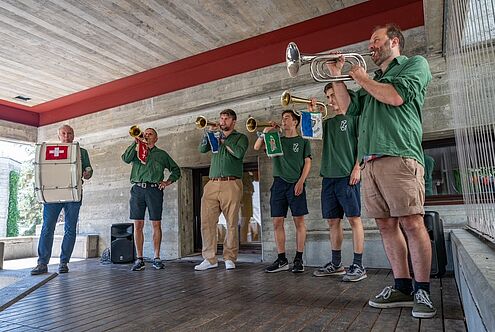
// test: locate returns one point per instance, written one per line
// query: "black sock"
(298, 255)
(358, 259)
(336, 257)
(282, 257)
(404, 285)
(141, 259)
(421, 285)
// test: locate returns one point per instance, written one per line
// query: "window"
(442, 178)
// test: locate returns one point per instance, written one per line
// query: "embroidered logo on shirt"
(343, 125)
(295, 147)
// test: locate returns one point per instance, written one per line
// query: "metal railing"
(470, 54)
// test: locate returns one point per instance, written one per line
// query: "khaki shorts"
(393, 187)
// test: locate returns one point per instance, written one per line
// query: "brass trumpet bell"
(201, 122)
(134, 131)
(287, 99)
(252, 124)
(295, 59)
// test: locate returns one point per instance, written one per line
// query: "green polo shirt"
(225, 163)
(393, 130)
(157, 161)
(85, 159)
(340, 140)
(290, 165)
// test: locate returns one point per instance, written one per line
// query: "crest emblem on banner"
(273, 144)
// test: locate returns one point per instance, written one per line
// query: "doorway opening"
(249, 215)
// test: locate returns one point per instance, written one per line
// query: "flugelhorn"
(201, 122)
(252, 124)
(134, 131)
(286, 99)
(295, 59)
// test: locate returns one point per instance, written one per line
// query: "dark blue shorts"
(142, 198)
(282, 197)
(338, 197)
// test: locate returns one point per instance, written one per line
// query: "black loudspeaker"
(122, 248)
(434, 226)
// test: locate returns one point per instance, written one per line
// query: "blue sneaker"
(138, 265)
(158, 264)
(355, 273)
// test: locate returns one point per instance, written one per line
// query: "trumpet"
(286, 99)
(295, 59)
(135, 132)
(252, 124)
(201, 122)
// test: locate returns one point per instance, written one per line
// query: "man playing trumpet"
(289, 174)
(147, 192)
(389, 145)
(223, 193)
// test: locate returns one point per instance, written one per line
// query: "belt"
(225, 178)
(144, 185)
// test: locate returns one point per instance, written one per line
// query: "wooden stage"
(96, 297)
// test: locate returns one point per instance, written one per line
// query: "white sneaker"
(205, 265)
(229, 265)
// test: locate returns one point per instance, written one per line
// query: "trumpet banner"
(273, 144)
(142, 151)
(311, 125)
(213, 139)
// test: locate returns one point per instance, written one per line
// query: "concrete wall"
(257, 93)
(86, 246)
(17, 132)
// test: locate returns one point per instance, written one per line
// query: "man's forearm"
(342, 96)
(382, 92)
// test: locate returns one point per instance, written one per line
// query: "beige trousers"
(218, 197)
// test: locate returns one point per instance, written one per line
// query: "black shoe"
(39, 269)
(138, 265)
(158, 264)
(63, 268)
(297, 266)
(278, 265)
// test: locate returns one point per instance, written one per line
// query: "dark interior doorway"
(249, 219)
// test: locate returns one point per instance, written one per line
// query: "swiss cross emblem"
(55, 152)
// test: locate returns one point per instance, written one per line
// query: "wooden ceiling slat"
(103, 31)
(57, 35)
(154, 28)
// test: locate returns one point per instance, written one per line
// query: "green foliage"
(13, 214)
(30, 210)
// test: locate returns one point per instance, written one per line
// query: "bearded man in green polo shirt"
(390, 135)
(289, 175)
(147, 192)
(223, 193)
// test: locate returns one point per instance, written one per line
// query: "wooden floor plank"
(455, 325)
(94, 297)
(386, 321)
(452, 308)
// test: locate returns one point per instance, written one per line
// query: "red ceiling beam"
(18, 114)
(334, 30)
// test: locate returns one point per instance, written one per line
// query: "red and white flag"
(56, 152)
(142, 151)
